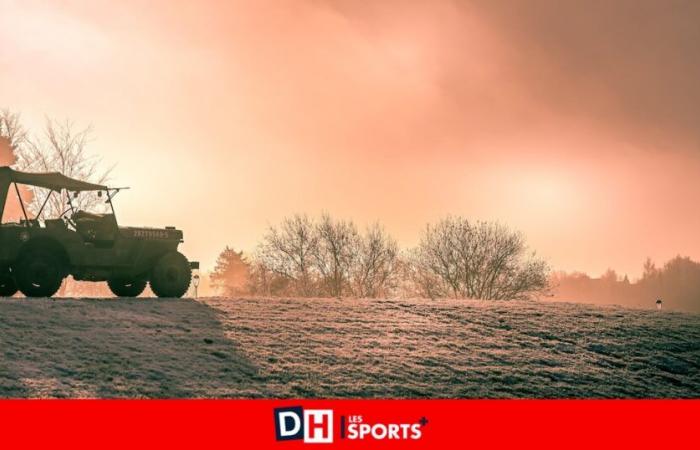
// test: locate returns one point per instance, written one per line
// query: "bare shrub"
(373, 273)
(325, 258)
(289, 252)
(458, 259)
(417, 280)
(265, 282)
(335, 254)
(454, 259)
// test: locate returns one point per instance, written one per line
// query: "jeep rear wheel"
(8, 288)
(126, 288)
(38, 274)
(171, 275)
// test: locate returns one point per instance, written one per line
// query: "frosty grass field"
(343, 348)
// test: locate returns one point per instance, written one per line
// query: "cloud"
(396, 110)
(630, 65)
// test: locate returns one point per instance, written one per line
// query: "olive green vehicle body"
(89, 247)
(131, 253)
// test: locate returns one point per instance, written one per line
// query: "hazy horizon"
(577, 124)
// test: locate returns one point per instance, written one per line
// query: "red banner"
(281, 424)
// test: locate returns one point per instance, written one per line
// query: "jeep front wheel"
(126, 288)
(38, 274)
(8, 288)
(171, 275)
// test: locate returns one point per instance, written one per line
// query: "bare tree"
(482, 260)
(325, 258)
(417, 280)
(454, 259)
(290, 252)
(375, 265)
(265, 282)
(334, 255)
(62, 149)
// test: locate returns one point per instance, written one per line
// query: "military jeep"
(37, 254)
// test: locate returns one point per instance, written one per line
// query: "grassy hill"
(343, 348)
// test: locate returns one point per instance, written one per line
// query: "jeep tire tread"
(38, 274)
(126, 288)
(8, 288)
(171, 276)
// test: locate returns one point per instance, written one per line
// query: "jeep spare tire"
(171, 275)
(8, 288)
(126, 288)
(38, 274)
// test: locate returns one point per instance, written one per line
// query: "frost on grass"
(344, 348)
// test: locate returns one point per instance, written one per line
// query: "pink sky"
(576, 123)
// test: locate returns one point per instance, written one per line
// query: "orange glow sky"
(575, 122)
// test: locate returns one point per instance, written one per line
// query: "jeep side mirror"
(99, 194)
(75, 194)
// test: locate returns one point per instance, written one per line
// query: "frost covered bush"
(482, 260)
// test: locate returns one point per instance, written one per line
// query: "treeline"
(328, 257)
(677, 284)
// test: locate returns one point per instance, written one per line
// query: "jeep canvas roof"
(51, 180)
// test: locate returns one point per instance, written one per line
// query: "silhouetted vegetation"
(231, 274)
(325, 258)
(459, 259)
(61, 147)
(330, 258)
(677, 283)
